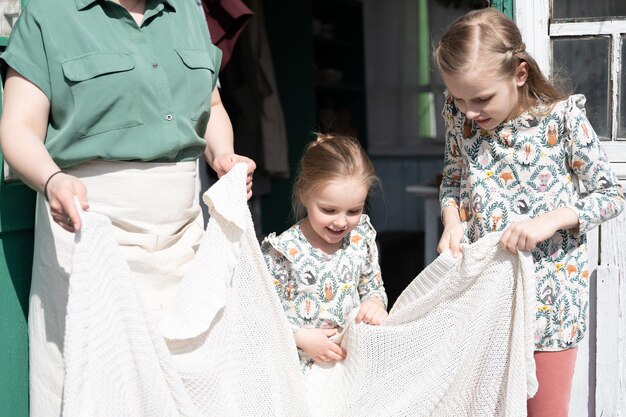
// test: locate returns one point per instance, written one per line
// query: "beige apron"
(158, 224)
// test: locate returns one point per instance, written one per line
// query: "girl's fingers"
(330, 332)
(514, 243)
(444, 244)
(379, 318)
(505, 236)
(336, 353)
(530, 244)
(371, 312)
(359, 315)
(338, 350)
(455, 248)
(366, 316)
(332, 356)
(509, 239)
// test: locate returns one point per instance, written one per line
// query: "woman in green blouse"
(108, 102)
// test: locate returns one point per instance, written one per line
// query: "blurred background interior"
(364, 67)
(349, 66)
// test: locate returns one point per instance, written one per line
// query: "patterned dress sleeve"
(449, 191)
(604, 197)
(280, 270)
(370, 283)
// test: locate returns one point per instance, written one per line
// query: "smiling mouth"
(335, 232)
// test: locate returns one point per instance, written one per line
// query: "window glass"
(583, 63)
(621, 133)
(563, 9)
(404, 92)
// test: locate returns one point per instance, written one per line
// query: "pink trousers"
(555, 371)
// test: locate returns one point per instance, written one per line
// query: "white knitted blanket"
(458, 341)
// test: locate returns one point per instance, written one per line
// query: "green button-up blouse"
(118, 91)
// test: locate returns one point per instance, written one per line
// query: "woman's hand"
(371, 311)
(61, 190)
(224, 163)
(317, 344)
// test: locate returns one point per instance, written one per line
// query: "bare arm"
(219, 152)
(22, 134)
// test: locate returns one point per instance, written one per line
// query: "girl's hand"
(224, 163)
(451, 239)
(526, 234)
(316, 344)
(372, 312)
(61, 190)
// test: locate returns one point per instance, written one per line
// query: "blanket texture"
(458, 341)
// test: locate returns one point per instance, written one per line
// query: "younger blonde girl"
(326, 265)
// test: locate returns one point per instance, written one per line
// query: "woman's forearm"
(219, 131)
(27, 156)
(22, 131)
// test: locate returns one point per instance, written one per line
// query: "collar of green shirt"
(82, 4)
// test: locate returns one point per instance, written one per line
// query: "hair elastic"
(45, 187)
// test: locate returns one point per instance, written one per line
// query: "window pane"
(621, 133)
(585, 62)
(562, 9)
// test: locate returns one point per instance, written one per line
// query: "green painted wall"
(505, 6)
(16, 253)
(17, 215)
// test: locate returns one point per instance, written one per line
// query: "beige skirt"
(158, 225)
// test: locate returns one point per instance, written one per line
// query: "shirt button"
(168, 117)
(155, 65)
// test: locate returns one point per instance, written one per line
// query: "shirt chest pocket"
(200, 77)
(104, 89)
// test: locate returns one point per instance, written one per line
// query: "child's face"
(487, 101)
(335, 209)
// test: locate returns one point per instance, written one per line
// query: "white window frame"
(533, 19)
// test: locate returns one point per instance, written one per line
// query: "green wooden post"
(17, 207)
(505, 6)
(425, 100)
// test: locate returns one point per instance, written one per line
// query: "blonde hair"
(330, 157)
(489, 38)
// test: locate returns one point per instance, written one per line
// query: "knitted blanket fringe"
(458, 341)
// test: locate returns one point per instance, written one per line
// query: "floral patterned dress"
(319, 290)
(523, 168)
